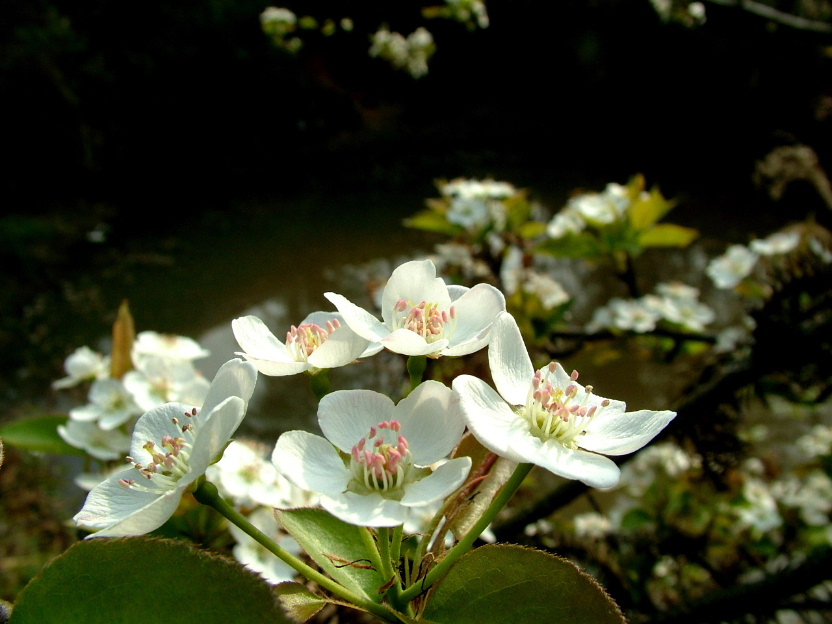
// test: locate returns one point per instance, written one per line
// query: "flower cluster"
(379, 463)
(162, 371)
(739, 261)
(410, 53)
(675, 304)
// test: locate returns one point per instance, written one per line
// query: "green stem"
(320, 383)
(464, 545)
(384, 550)
(416, 365)
(207, 494)
(390, 551)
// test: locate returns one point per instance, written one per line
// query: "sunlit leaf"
(338, 547)
(142, 579)
(299, 603)
(431, 221)
(532, 229)
(645, 211)
(574, 246)
(667, 235)
(39, 434)
(506, 583)
(124, 334)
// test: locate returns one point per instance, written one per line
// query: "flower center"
(305, 338)
(559, 413)
(381, 461)
(425, 319)
(168, 460)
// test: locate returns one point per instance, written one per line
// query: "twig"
(775, 15)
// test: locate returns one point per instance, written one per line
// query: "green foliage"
(39, 434)
(131, 579)
(503, 583)
(299, 603)
(340, 549)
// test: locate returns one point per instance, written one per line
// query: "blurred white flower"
(255, 556)
(170, 346)
(106, 445)
(729, 269)
(592, 525)
(110, 405)
(777, 243)
(81, 365)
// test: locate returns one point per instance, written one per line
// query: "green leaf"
(574, 246)
(432, 221)
(141, 579)
(505, 583)
(39, 434)
(299, 603)
(339, 548)
(667, 235)
(645, 211)
(637, 520)
(531, 229)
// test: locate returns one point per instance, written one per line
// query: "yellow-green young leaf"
(431, 221)
(502, 583)
(339, 548)
(574, 246)
(39, 434)
(645, 211)
(145, 579)
(518, 209)
(299, 603)
(532, 229)
(667, 235)
(124, 333)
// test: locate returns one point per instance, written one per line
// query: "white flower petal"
(430, 422)
(340, 348)
(509, 362)
(234, 378)
(592, 469)
(257, 341)
(365, 510)
(437, 485)
(345, 416)
(413, 281)
(487, 415)
(359, 320)
(121, 511)
(620, 433)
(311, 463)
(154, 424)
(408, 342)
(274, 368)
(214, 433)
(476, 311)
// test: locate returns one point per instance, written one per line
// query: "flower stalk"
(207, 494)
(464, 545)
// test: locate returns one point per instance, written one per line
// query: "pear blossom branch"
(207, 494)
(775, 15)
(464, 545)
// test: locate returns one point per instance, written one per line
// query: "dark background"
(147, 122)
(170, 104)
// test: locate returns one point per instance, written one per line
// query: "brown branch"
(775, 15)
